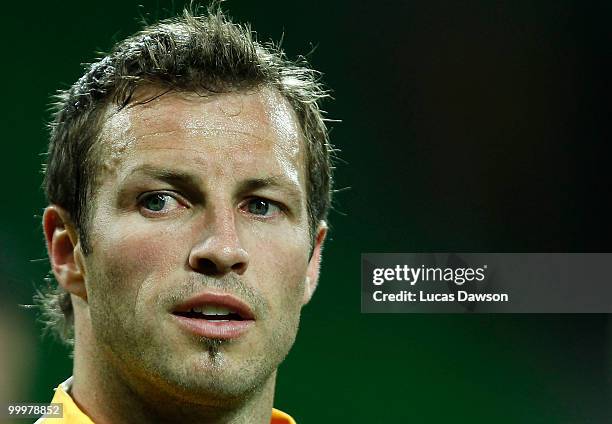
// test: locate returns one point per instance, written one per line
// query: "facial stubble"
(224, 377)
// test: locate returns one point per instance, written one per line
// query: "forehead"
(237, 124)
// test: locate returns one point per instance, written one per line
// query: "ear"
(64, 249)
(314, 265)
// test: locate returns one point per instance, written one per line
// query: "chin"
(211, 376)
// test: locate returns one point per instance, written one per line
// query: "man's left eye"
(261, 207)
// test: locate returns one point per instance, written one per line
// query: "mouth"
(215, 316)
(211, 313)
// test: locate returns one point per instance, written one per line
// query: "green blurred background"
(476, 126)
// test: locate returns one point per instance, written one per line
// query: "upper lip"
(218, 299)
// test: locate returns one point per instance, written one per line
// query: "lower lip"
(224, 330)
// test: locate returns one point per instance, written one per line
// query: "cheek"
(279, 262)
(137, 248)
(130, 267)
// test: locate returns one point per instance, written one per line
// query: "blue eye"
(159, 202)
(262, 207)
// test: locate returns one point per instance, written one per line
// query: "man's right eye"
(159, 203)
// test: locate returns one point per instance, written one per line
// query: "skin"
(233, 219)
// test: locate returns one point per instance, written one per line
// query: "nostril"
(207, 266)
(238, 267)
(216, 259)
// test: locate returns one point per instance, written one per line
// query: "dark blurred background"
(475, 126)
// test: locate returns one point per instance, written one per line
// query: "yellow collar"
(73, 415)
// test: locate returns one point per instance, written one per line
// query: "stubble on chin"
(213, 347)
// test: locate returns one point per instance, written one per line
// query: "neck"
(107, 394)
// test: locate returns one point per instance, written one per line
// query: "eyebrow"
(281, 183)
(170, 176)
(188, 182)
(185, 181)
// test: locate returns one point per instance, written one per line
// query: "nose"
(220, 252)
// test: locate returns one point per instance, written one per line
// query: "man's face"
(200, 209)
